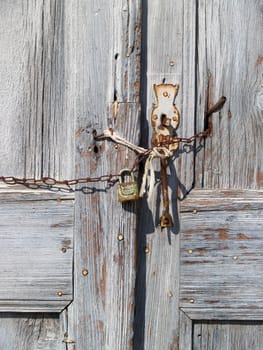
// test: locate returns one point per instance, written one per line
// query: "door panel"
(218, 335)
(30, 332)
(221, 252)
(36, 250)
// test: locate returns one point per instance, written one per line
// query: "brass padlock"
(127, 191)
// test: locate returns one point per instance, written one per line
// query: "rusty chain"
(49, 181)
(112, 178)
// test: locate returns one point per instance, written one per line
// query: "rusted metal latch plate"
(165, 120)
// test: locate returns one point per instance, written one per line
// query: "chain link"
(49, 181)
(112, 178)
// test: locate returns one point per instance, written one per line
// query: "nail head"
(146, 250)
(85, 272)
(120, 237)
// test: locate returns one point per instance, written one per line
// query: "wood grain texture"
(222, 200)
(186, 331)
(228, 336)
(221, 259)
(36, 254)
(105, 49)
(227, 314)
(230, 64)
(168, 57)
(36, 124)
(31, 332)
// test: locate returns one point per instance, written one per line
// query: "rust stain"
(242, 236)
(119, 259)
(131, 307)
(259, 61)
(202, 251)
(175, 343)
(154, 274)
(79, 132)
(260, 179)
(223, 234)
(103, 281)
(100, 325)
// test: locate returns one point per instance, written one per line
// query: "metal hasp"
(165, 119)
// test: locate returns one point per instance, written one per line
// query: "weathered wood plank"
(15, 193)
(31, 332)
(218, 200)
(215, 313)
(186, 330)
(105, 49)
(226, 248)
(168, 57)
(36, 254)
(36, 125)
(230, 64)
(224, 335)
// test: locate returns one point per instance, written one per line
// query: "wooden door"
(67, 253)
(199, 285)
(74, 273)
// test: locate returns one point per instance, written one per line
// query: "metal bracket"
(165, 116)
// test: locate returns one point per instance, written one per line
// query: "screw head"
(59, 293)
(190, 251)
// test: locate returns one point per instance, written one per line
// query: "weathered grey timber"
(221, 240)
(227, 335)
(37, 137)
(105, 38)
(69, 68)
(30, 331)
(230, 64)
(168, 57)
(36, 255)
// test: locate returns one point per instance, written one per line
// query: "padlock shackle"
(126, 170)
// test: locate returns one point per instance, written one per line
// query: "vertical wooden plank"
(168, 57)
(186, 332)
(104, 41)
(33, 120)
(230, 64)
(35, 125)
